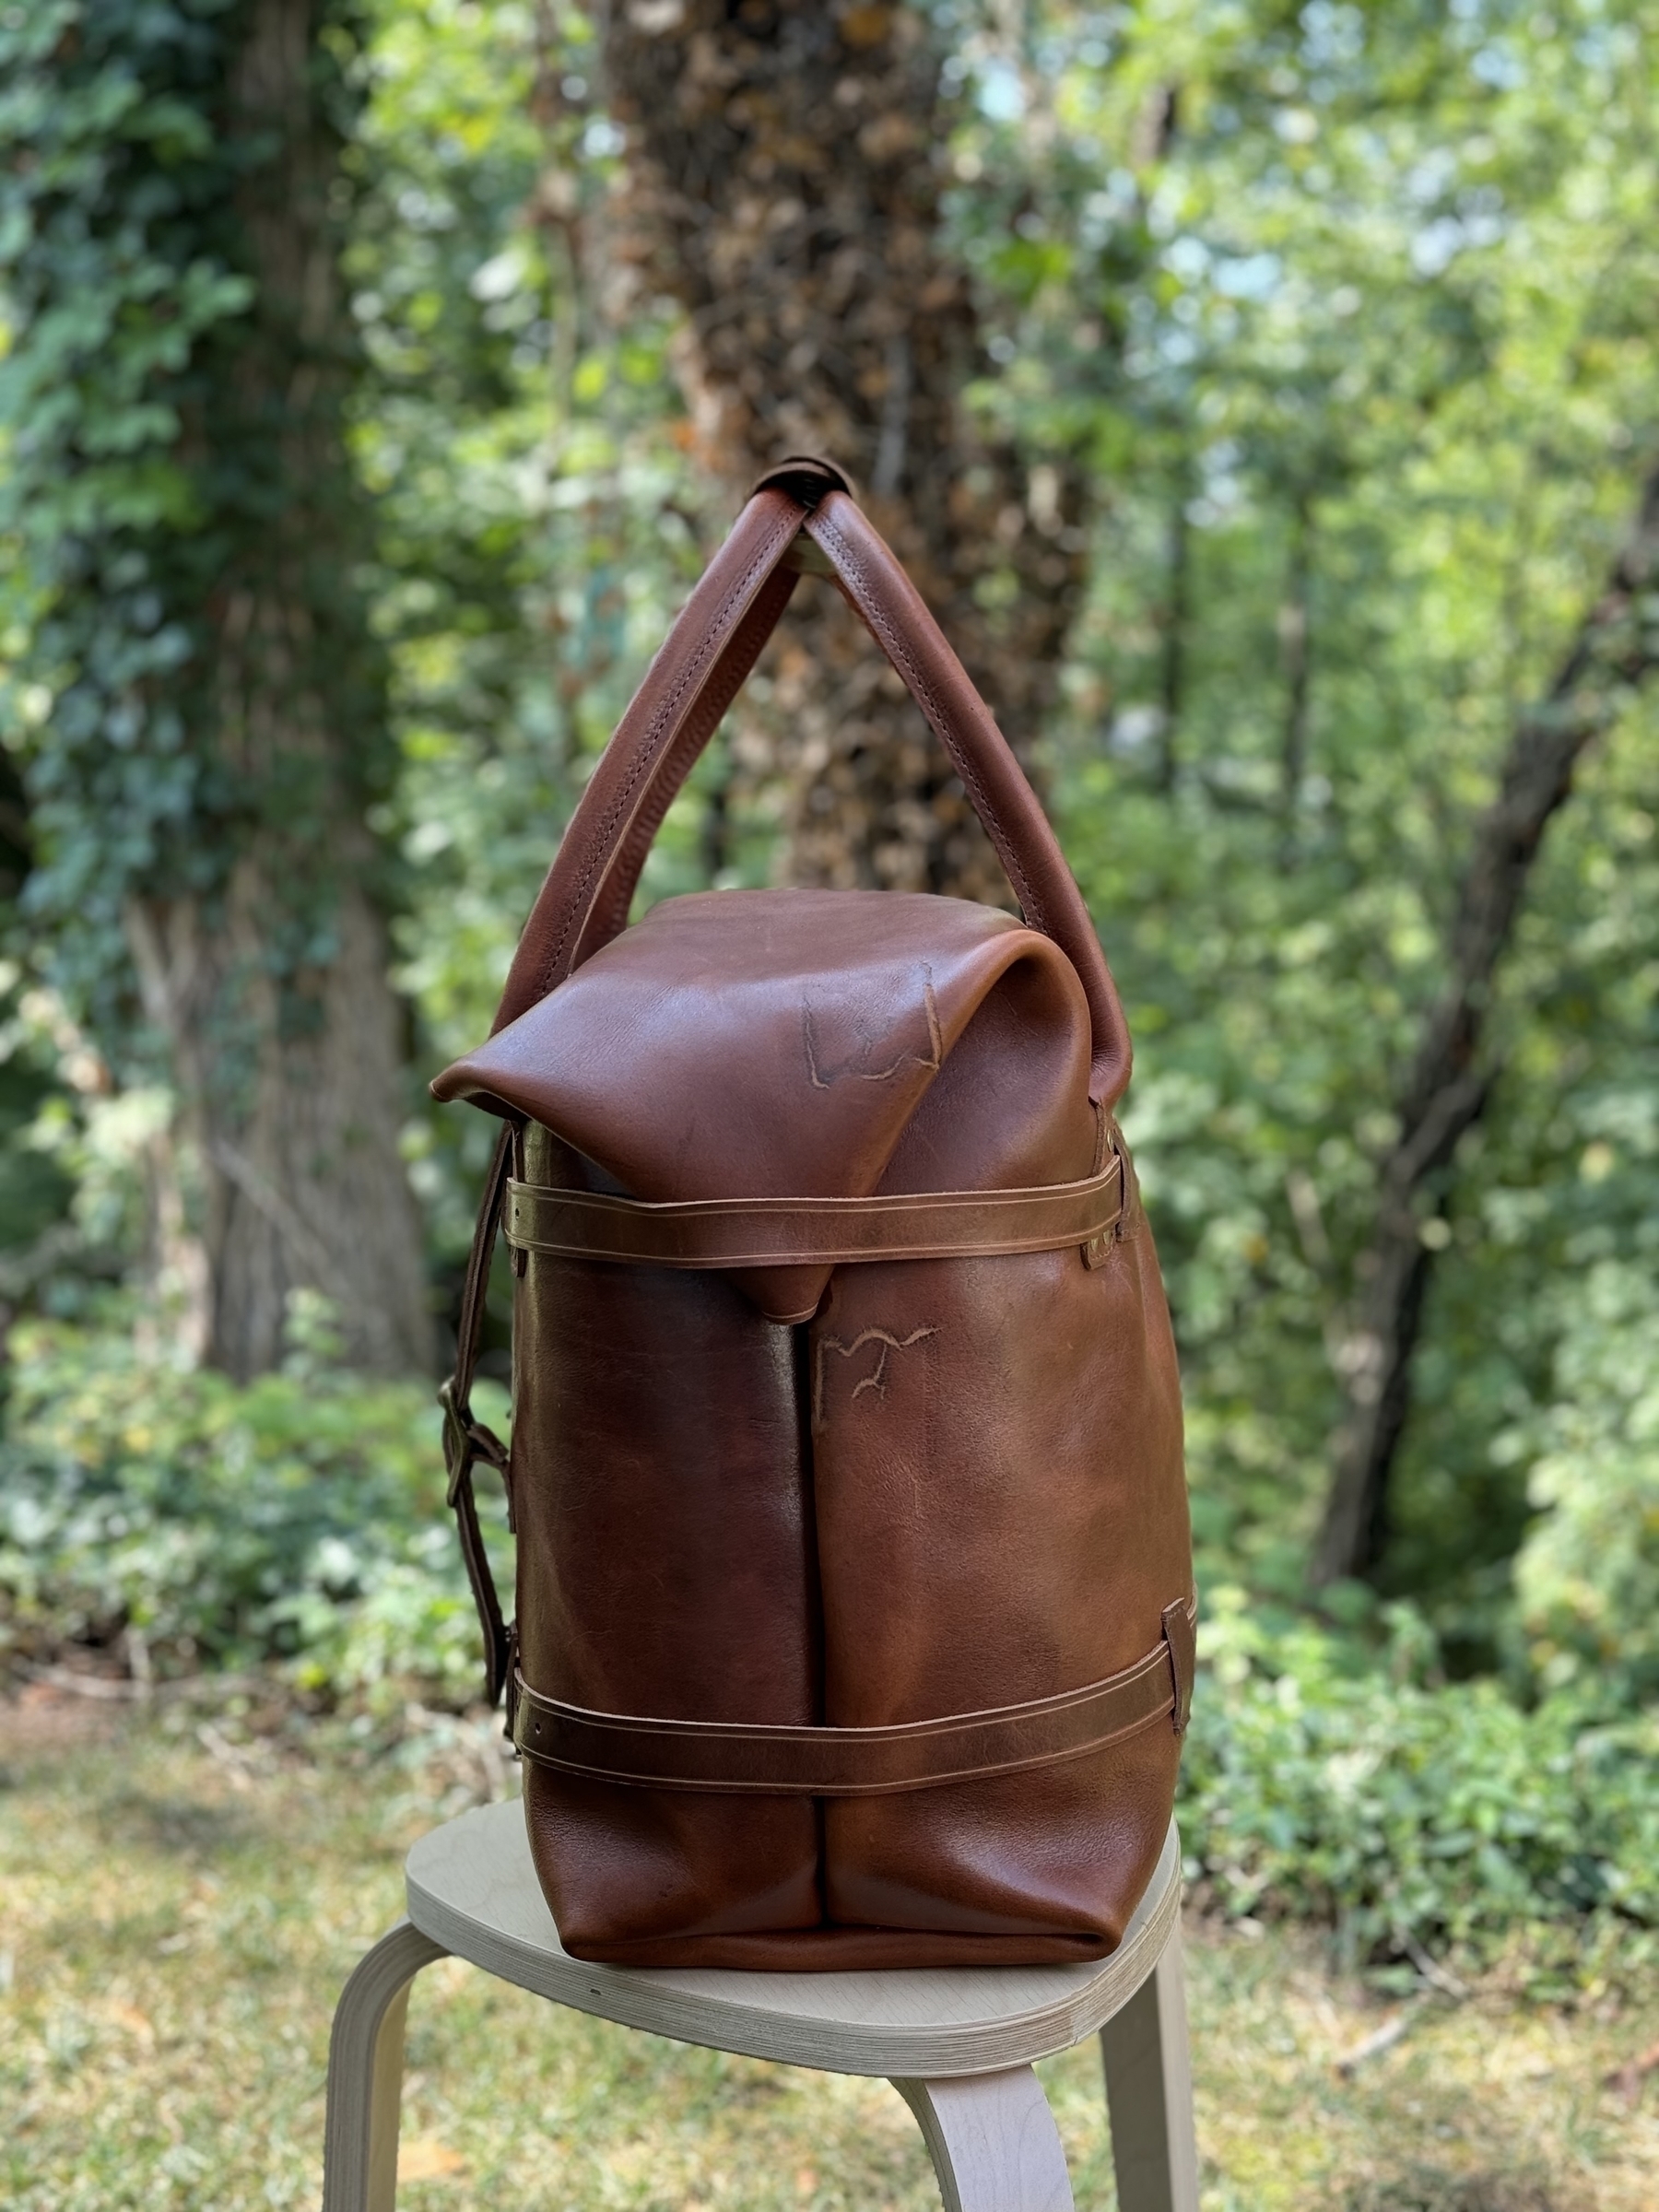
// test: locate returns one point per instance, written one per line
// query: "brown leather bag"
(855, 1616)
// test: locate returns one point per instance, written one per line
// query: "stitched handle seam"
(928, 700)
(695, 733)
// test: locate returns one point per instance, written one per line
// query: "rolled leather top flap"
(801, 1043)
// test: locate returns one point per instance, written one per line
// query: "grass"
(184, 1890)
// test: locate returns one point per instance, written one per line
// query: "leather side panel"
(664, 1569)
(1001, 1514)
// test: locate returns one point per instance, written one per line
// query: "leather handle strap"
(798, 1232)
(806, 477)
(734, 1758)
(608, 918)
(691, 660)
(465, 1440)
(894, 612)
(707, 654)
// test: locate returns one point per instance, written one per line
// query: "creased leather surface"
(777, 1044)
(664, 1567)
(955, 1485)
(999, 1441)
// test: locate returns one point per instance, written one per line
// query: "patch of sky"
(1115, 204)
(1332, 34)
(602, 138)
(1163, 210)
(1188, 258)
(1437, 244)
(1498, 66)
(501, 275)
(1247, 276)
(1430, 178)
(1000, 94)
(425, 210)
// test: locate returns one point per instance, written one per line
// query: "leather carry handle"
(703, 662)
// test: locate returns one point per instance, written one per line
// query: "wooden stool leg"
(365, 2073)
(993, 2141)
(1149, 2093)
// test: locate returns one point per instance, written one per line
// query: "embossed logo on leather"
(848, 1041)
(874, 1350)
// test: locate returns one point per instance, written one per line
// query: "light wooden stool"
(956, 2042)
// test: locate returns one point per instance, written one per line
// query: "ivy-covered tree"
(206, 736)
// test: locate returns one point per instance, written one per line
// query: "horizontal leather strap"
(850, 1762)
(786, 1233)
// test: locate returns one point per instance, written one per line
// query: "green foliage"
(1362, 356)
(35, 1191)
(162, 469)
(1410, 1817)
(530, 499)
(298, 1522)
(1587, 1578)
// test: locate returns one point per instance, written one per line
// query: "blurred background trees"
(207, 704)
(779, 184)
(1266, 404)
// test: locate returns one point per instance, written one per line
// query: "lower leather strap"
(858, 1762)
(789, 1232)
(466, 1442)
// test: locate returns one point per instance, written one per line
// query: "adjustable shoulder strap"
(465, 1440)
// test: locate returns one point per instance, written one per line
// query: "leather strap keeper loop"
(806, 476)
(789, 1232)
(466, 1441)
(731, 1758)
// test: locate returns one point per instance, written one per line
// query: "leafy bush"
(1411, 1816)
(299, 1520)
(1587, 1578)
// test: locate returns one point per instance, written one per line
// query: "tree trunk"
(292, 1109)
(1616, 648)
(1297, 655)
(269, 982)
(782, 183)
(1172, 643)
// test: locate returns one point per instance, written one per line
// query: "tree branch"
(1445, 1091)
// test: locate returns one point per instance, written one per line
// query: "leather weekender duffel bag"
(855, 1608)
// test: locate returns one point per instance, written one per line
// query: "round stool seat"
(472, 1889)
